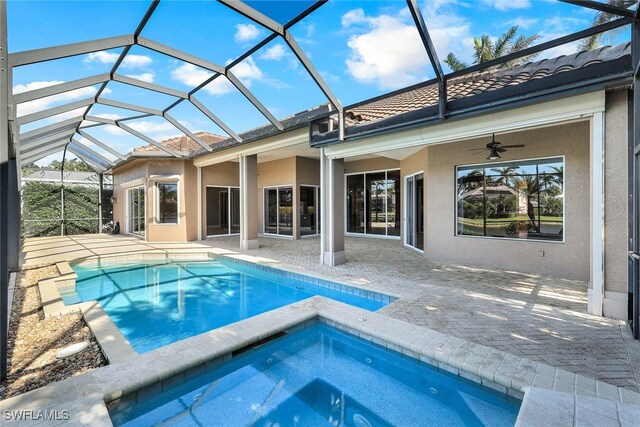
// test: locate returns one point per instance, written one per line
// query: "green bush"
(42, 215)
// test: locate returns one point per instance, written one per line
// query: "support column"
(596, 292)
(4, 189)
(332, 207)
(248, 202)
(13, 220)
(100, 202)
(199, 200)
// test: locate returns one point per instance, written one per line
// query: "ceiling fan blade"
(500, 150)
(512, 146)
(480, 152)
(477, 149)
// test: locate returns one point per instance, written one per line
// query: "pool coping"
(565, 397)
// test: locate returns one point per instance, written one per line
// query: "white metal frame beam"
(92, 152)
(44, 151)
(101, 144)
(94, 164)
(47, 139)
(64, 51)
(53, 128)
(60, 88)
(147, 139)
(54, 111)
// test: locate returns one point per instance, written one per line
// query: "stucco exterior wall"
(167, 232)
(369, 165)
(145, 169)
(569, 259)
(616, 207)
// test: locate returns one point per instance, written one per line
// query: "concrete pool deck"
(541, 318)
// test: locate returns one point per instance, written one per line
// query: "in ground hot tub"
(317, 376)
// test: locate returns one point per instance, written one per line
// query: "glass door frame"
(316, 207)
(228, 187)
(366, 205)
(265, 200)
(405, 211)
(127, 215)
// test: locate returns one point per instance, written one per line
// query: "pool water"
(155, 304)
(318, 376)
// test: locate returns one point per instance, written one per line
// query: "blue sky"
(362, 49)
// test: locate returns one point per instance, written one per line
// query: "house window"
(167, 203)
(516, 200)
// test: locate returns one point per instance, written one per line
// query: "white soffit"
(276, 142)
(533, 116)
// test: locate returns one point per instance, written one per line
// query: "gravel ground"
(34, 341)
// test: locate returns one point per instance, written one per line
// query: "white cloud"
(130, 61)
(154, 130)
(504, 5)
(246, 32)
(110, 116)
(190, 75)
(145, 77)
(522, 22)
(449, 29)
(355, 16)
(274, 53)
(49, 101)
(389, 55)
(560, 26)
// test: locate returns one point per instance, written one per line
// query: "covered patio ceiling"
(72, 134)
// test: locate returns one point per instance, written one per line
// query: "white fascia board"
(134, 183)
(171, 178)
(533, 116)
(276, 142)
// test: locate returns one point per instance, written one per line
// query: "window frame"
(294, 199)
(156, 201)
(229, 209)
(502, 162)
(364, 233)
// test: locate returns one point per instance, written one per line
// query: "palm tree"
(593, 42)
(506, 174)
(486, 49)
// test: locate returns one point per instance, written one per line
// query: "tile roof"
(183, 143)
(415, 98)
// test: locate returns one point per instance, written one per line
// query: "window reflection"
(521, 200)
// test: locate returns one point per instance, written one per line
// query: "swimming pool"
(317, 376)
(158, 303)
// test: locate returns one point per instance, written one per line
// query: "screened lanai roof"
(243, 70)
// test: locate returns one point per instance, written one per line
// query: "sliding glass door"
(309, 210)
(278, 211)
(136, 208)
(372, 204)
(223, 210)
(414, 211)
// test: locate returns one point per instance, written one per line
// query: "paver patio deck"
(542, 318)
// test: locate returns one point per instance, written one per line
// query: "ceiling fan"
(495, 148)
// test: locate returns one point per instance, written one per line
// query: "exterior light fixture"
(493, 153)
